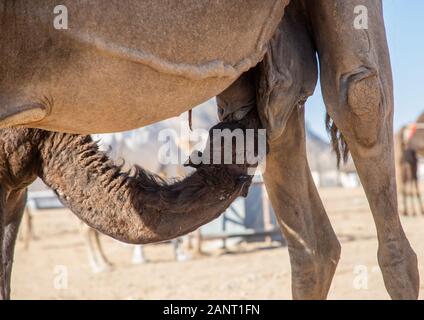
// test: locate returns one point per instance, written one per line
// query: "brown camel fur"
(92, 79)
(407, 172)
(97, 258)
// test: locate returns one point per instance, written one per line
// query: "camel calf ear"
(22, 115)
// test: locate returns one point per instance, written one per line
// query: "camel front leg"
(404, 198)
(286, 78)
(2, 232)
(357, 88)
(28, 235)
(313, 247)
(16, 204)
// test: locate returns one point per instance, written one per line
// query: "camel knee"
(315, 261)
(366, 108)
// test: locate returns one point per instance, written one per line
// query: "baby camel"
(134, 208)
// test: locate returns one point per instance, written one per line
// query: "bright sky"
(405, 31)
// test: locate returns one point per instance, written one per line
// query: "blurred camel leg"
(402, 186)
(414, 197)
(138, 255)
(288, 77)
(410, 194)
(404, 191)
(418, 196)
(28, 233)
(402, 168)
(101, 256)
(96, 257)
(194, 242)
(179, 253)
(356, 83)
(198, 235)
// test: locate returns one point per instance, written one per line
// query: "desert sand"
(56, 266)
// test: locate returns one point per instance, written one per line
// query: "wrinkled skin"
(356, 82)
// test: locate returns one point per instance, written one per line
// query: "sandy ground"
(56, 266)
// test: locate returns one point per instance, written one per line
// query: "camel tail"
(338, 142)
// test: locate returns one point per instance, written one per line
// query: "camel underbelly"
(122, 66)
(109, 95)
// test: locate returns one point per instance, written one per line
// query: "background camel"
(112, 72)
(407, 170)
(416, 136)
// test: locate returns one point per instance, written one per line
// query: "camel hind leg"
(27, 235)
(357, 87)
(404, 199)
(417, 188)
(412, 178)
(138, 256)
(418, 195)
(288, 76)
(411, 197)
(100, 253)
(313, 246)
(96, 258)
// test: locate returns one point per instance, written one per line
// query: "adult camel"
(407, 169)
(416, 136)
(119, 67)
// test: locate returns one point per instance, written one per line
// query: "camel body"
(126, 64)
(409, 143)
(122, 67)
